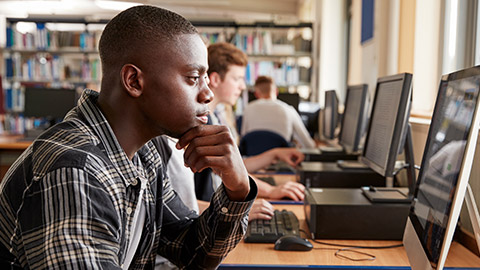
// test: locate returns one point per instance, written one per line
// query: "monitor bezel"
(401, 121)
(413, 245)
(360, 119)
(334, 116)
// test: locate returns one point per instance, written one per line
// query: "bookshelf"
(56, 53)
(282, 51)
(63, 53)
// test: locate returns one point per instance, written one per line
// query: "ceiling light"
(115, 5)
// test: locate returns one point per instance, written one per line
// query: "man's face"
(176, 90)
(232, 85)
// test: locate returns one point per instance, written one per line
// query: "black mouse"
(293, 243)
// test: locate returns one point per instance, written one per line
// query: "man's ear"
(215, 79)
(132, 80)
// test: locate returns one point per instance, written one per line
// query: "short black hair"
(140, 25)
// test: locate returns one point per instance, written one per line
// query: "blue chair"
(259, 141)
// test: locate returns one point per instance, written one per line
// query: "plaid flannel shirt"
(69, 200)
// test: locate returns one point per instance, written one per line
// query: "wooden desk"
(255, 255)
(11, 146)
(264, 255)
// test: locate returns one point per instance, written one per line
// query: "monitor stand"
(394, 194)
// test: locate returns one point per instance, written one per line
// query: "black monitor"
(330, 115)
(355, 118)
(49, 103)
(445, 170)
(292, 99)
(387, 127)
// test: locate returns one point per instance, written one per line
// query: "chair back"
(259, 141)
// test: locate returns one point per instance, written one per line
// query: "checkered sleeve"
(66, 220)
(203, 242)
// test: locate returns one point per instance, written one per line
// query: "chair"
(259, 141)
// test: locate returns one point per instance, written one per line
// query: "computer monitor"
(330, 115)
(355, 118)
(49, 103)
(387, 128)
(292, 99)
(445, 170)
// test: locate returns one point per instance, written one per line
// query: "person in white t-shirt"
(226, 73)
(269, 113)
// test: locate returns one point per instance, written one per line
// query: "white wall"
(426, 66)
(332, 62)
(378, 56)
(355, 48)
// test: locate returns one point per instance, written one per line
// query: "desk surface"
(13, 142)
(264, 254)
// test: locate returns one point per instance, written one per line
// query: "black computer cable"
(352, 248)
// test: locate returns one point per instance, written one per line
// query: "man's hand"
(291, 156)
(291, 190)
(261, 209)
(213, 146)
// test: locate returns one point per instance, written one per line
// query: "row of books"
(18, 124)
(51, 67)
(44, 39)
(13, 98)
(14, 124)
(260, 42)
(283, 73)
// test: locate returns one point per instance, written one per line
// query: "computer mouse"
(293, 243)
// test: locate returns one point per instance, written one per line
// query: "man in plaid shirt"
(92, 192)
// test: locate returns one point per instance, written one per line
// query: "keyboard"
(268, 231)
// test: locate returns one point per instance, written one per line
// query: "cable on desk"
(351, 248)
(370, 257)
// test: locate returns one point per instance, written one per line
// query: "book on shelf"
(45, 39)
(45, 66)
(283, 73)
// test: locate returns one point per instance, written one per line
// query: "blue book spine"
(8, 98)
(9, 67)
(9, 37)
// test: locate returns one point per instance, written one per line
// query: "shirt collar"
(87, 106)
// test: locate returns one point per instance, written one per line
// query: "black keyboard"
(268, 231)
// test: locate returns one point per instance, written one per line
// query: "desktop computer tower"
(335, 213)
(330, 175)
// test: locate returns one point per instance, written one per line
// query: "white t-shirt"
(181, 177)
(277, 116)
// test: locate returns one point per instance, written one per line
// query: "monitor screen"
(292, 99)
(51, 103)
(330, 114)
(445, 170)
(355, 117)
(387, 126)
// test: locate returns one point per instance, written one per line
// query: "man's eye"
(194, 79)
